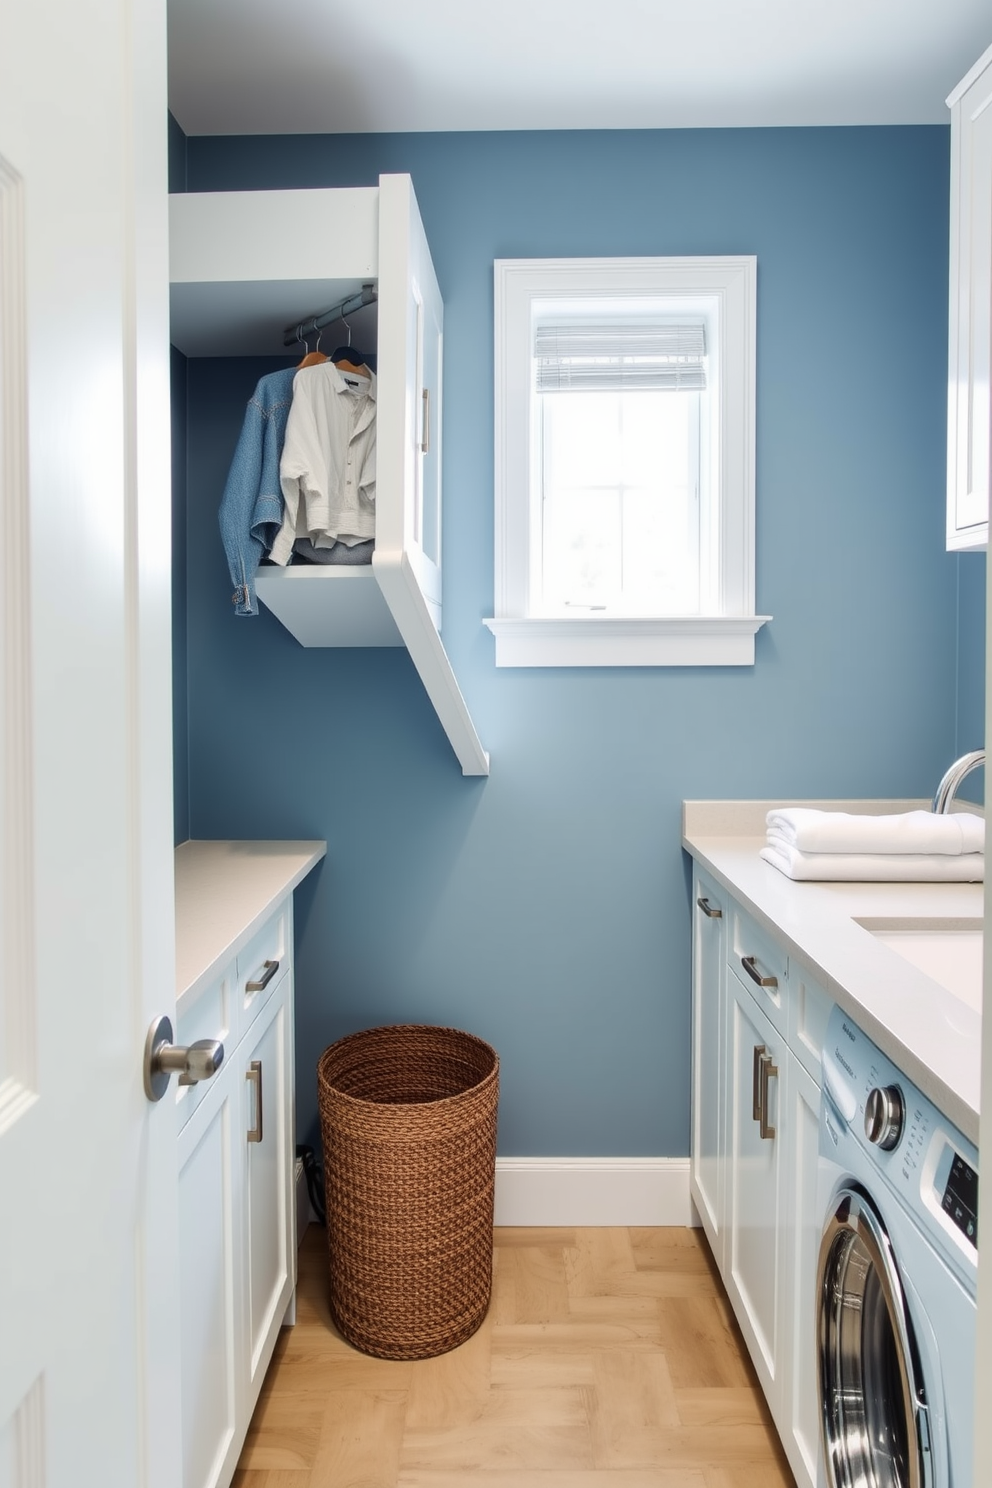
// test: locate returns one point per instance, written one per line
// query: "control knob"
(884, 1117)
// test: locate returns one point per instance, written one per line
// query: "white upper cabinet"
(969, 419)
(244, 265)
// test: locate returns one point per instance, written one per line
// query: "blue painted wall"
(547, 908)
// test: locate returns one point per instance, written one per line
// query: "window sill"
(695, 640)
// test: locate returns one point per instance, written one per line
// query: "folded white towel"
(836, 867)
(909, 832)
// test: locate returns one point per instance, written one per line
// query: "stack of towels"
(915, 845)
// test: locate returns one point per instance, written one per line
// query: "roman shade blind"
(610, 358)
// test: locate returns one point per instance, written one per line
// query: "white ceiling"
(302, 66)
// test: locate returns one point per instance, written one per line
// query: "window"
(625, 462)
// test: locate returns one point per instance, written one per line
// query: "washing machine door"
(873, 1402)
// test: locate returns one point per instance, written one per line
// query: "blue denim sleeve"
(237, 506)
(251, 507)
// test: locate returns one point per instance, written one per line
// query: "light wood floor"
(609, 1359)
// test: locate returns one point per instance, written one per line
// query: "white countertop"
(224, 893)
(931, 1035)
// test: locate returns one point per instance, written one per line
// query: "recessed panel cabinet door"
(708, 1073)
(757, 1055)
(408, 422)
(407, 557)
(211, 1323)
(266, 1131)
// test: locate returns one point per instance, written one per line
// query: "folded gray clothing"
(339, 552)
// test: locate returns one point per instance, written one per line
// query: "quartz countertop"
(225, 890)
(928, 1032)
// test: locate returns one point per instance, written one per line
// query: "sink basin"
(948, 950)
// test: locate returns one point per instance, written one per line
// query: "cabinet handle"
(756, 1112)
(768, 1071)
(708, 910)
(259, 983)
(748, 964)
(425, 428)
(253, 1074)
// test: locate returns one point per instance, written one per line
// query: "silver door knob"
(191, 1062)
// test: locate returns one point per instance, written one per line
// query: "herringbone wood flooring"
(609, 1359)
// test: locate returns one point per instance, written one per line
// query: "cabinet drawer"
(760, 964)
(809, 1010)
(263, 963)
(205, 1014)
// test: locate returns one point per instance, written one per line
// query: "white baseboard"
(571, 1191)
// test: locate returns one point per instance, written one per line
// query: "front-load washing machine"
(895, 1288)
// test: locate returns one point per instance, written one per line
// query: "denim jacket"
(251, 507)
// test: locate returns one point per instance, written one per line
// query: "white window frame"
(724, 637)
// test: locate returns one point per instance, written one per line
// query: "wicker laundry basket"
(408, 1122)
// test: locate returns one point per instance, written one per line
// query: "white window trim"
(725, 638)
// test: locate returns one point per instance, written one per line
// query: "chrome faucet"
(949, 786)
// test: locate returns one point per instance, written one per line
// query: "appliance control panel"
(931, 1165)
(956, 1187)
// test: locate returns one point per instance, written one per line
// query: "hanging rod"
(367, 295)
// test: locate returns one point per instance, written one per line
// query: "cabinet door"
(799, 1426)
(411, 316)
(708, 1059)
(970, 331)
(266, 1134)
(407, 558)
(755, 1172)
(210, 1280)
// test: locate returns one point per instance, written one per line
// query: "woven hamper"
(408, 1123)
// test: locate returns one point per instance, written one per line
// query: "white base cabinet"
(237, 1217)
(236, 1142)
(757, 1025)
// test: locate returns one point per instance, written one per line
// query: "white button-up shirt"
(327, 470)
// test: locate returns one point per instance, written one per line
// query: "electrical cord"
(314, 1174)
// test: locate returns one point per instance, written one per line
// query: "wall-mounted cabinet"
(969, 411)
(243, 266)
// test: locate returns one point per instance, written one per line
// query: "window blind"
(608, 358)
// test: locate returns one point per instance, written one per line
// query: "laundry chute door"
(407, 558)
(89, 1295)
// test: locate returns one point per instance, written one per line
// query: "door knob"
(191, 1062)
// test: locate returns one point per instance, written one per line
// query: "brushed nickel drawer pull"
(748, 964)
(768, 1071)
(708, 909)
(425, 429)
(253, 1074)
(756, 1112)
(259, 984)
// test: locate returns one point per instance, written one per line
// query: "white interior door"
(88, 1292)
